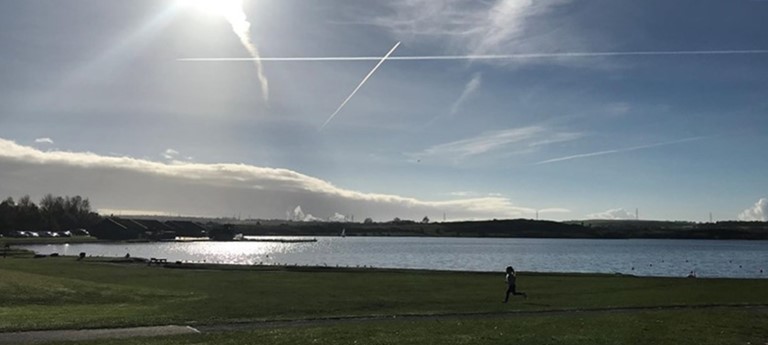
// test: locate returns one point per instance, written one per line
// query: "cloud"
(175, 156)
(506, 20)
(170, 154)
(127, 183)
(617, 109)
(616, 213)
(628, 149)
(758, 212)
(44, 141)
(338, 217)
(482, 27)
(523, 139)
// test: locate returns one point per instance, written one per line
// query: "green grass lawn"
(57, 293)
(669, 327)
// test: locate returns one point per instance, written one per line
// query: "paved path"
(92, 334)
(108, 333)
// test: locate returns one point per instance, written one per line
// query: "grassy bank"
(45, 240)
(56, 293)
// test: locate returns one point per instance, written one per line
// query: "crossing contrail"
(487, 57)
(359, 85)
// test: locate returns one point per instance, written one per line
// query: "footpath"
(92, 334)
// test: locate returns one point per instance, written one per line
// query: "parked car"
(64, 233)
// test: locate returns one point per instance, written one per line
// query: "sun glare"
(223, 8)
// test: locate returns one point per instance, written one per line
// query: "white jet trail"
(233, 12)
(628, 149)
(492, 57)
(359, 85)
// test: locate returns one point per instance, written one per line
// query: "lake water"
(676, 258)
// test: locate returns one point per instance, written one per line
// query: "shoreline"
(187, 265)
(13, 241)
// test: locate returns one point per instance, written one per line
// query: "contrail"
(233, 12)
(359, 85)
(628, 149)
(489, 57)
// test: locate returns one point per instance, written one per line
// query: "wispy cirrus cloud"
(127, 183)
(482, 26)
(523, 139)
(622, 150)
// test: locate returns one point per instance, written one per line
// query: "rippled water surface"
(738, 259)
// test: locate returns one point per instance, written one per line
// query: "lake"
(674, 258)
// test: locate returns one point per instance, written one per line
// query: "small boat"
(343, 233)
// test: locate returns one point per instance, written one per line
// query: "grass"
(45, 240)
(60, 293)
(718, 326)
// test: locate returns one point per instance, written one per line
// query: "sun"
(224, 8)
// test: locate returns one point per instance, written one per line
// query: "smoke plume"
(758, 212)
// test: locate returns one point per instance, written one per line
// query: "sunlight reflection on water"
(738, 259)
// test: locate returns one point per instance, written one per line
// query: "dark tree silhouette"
(54, 213)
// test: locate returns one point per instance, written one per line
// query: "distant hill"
(516, 228)
(682, 229)
(522, 228)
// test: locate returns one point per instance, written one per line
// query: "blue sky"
(675, 135)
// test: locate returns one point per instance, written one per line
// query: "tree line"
(54, 213)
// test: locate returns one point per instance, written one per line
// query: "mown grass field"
(717, 326)
(61, 293)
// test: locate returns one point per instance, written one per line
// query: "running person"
(511, 279)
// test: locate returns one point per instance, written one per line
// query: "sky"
(569, 109)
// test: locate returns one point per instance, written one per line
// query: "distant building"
(114, 228)
(185, 228)
(157, 229)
